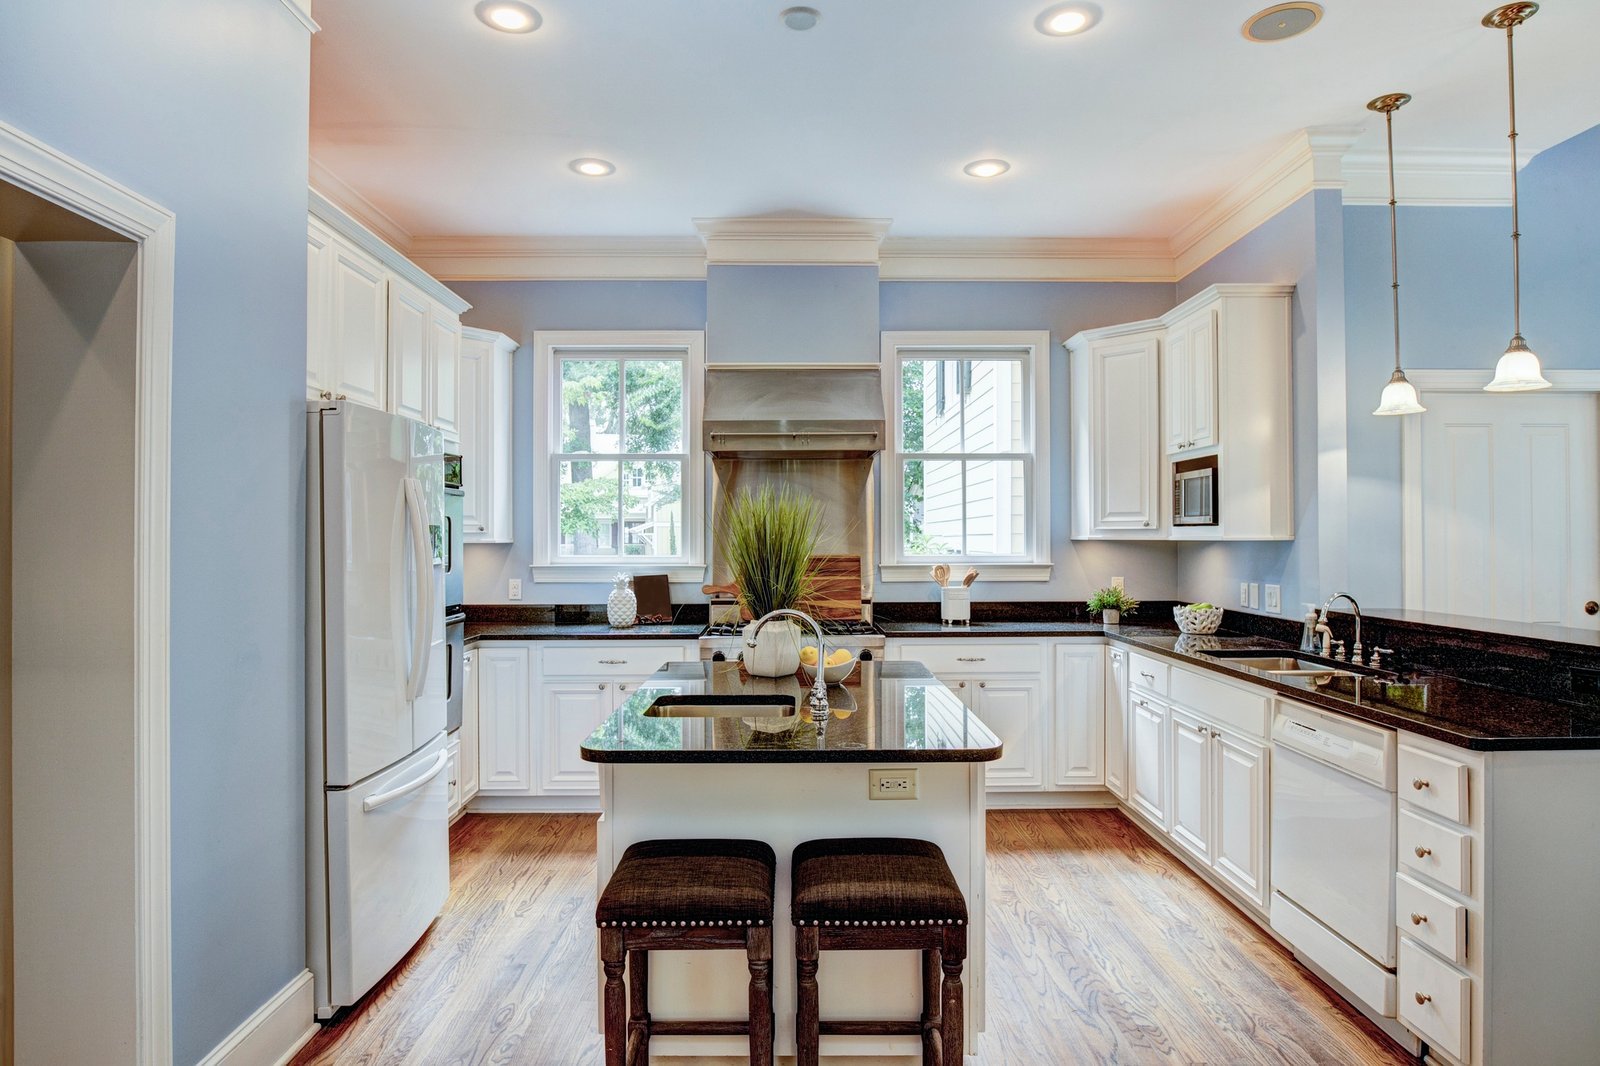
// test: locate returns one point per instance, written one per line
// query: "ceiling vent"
(1281, 21)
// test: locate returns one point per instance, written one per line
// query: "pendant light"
(1399, 396)
(1518, 369)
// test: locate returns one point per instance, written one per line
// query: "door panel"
(1013, 708)
(571, 712)
(360, 305)
(1147, 759)
(1175, 389)
(505, 717)
(408, 351)
(1191, 784)
(1079, 716)
(1239, 794)
(1116, 699)
(1124, 452)
(1201, 394)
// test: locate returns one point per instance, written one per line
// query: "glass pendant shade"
(1518, 370)
(1399, 397)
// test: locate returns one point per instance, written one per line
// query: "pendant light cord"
(1394, 242)
(1516, 234)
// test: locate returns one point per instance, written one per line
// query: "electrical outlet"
(892, 784)
(1255, 596)
(1116, 583)
(1244, 594)
(1275, 599)
(514, 589)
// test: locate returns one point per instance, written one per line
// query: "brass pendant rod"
(1516, 234)
(1394, 242)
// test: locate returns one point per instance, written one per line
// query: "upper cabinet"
(485, 414)
(1219, 384)
(379, 331)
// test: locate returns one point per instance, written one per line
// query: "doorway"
(1502, 496)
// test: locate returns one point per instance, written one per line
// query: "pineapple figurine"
(622, 606)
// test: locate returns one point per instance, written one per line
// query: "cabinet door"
(571, 711)
(1201, 393)
(471, 378)
(452, 777)
(1175, 389)
(1078, 722)
(408, 351)
(1239, 800)
(505, 716)
(320, 374)
(1147, 759)
(1191, 783)
(444, 355)
(1125, 448)
(1014, 709)
(360, 314)
(1116, 700)
(469, 726)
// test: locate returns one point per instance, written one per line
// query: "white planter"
(777, 650)
(1111, 618)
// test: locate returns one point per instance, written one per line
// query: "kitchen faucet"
(818, 700)
(1327, 633)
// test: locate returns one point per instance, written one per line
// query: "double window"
(619, 454)
(967, 475)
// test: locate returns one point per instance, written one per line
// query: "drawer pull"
(1419, 783)
(1422, 852)
(613, 662)
(971, 658)
(1423, 997)
(1418, 919)
(1148, 677)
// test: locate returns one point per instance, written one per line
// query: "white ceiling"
(711, 108)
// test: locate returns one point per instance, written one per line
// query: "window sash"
(967, 459)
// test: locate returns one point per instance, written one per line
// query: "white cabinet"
(1147, 757)
(452, 777)
(1078, 723)
(320, 372)
(408, 351)
(505, 717)
(469, 726)
(1239, 818)
(1190, 743)
(444, 359)
(1116, 489)
(1189, 370)
(1116, 701)
(485, 420)
(358, 308)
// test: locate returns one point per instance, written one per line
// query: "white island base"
(785, 804)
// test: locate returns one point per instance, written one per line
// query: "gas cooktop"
(831, 627)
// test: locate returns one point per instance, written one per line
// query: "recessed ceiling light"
(1064, 20)
(1282, 21)
(800, 18)
(508, 16)
(592, 168)
(987, 168)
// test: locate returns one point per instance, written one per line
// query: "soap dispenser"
(1308, 631)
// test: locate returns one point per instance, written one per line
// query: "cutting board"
(836, 592)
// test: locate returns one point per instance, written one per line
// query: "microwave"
(1194, 492)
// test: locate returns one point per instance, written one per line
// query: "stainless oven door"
(455, 629)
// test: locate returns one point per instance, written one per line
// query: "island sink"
(713, 705)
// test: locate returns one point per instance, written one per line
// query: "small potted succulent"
(1112, 603)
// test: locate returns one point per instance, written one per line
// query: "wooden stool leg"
(955, 953)
(807, 1022)
(758, 950)
(638, 1007)
(932, 1013)
(611, 960)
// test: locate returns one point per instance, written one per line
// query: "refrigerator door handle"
(378, 799)
(422, 559)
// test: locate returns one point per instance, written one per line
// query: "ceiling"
(712, 108)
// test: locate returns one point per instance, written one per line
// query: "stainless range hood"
(768, 411)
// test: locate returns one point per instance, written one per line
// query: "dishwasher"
(1333, 841)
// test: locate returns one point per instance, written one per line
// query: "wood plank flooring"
(1102, 949)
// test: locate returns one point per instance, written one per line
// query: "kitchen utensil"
(720, 590)
(941, 574)
(971, 576)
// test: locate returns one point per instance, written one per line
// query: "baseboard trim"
(280, 1027)
(490, 804)
(1087, 800)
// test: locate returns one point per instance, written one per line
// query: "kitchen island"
(754, 771)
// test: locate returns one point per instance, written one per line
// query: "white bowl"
(833, 675)
(1193, 620)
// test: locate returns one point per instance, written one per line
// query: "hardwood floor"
(1102, 949)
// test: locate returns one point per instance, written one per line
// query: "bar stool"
(883, 894)
(685, 895)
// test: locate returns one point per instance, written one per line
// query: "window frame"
(1033, 346)
(549, 348)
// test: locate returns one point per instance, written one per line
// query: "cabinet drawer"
(1431, 918)
(1435, 1000)
(1223, 703)
(954, 658)
(1436, 851)
(1147, 673)
(1434, 783)
(608, 660)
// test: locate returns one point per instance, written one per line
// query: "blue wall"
(201, 106)
(791, 314)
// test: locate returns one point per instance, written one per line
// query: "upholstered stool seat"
(685, 895)
(885, 894)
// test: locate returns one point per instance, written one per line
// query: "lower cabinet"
(505, 717)
(1147, 756)
(1219, 800)
(1079, 721)
(452, 776)
(1014, 708)
(1116, 704)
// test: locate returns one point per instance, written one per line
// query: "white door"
(1202, 386)
(1125, 423)
(1014, 709)
(444, 348)
(505, 718)
(1175, 388)
(1147, 759)
(1239, 813)
(1079, 715)
(572, 710)
(408, 351)
(360, 310)
(1191, 783)
(1510, 507)
(320, 375)
(1117, 722)
(473, 376)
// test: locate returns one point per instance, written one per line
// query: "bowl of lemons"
(839, 665)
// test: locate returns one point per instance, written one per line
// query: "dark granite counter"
(885, 711)
(481, 631)
(994, 629)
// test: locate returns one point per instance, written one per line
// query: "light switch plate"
(1274, 599)
(1244, 594)
(514, 589)
(898, 784)
(1116, 583)
(1255, 596)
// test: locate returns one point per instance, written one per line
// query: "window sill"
(593, 573)
(905, 572)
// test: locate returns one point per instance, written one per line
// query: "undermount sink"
(1280, 665)
(721, 706)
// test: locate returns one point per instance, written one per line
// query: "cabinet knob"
(326, 395)
(1147, 523)
(983, 684)
(1418, 919)
(1419, 783)
(601, 686)
(961, 684)
(1422, 852)
(622, 688)
(1423, 997)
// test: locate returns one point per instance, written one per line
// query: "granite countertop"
(894, 711)
(1018, 628)
(479, 631)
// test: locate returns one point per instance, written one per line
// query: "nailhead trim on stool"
(685, 895)
(913, 903)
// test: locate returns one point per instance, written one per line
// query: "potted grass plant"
(768, 538)
(1112, 603)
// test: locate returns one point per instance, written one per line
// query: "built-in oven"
(455, 645)
(1194, 491)
(455, 501)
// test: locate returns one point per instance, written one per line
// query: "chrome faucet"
(1327, 633)
(818, 701)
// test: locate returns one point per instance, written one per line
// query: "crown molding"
(1308, 160)
(1025, 259)
(394, 258)
(301, 10)
(349, 199)
(792, 241)
(1430, 178)
(561, 258)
